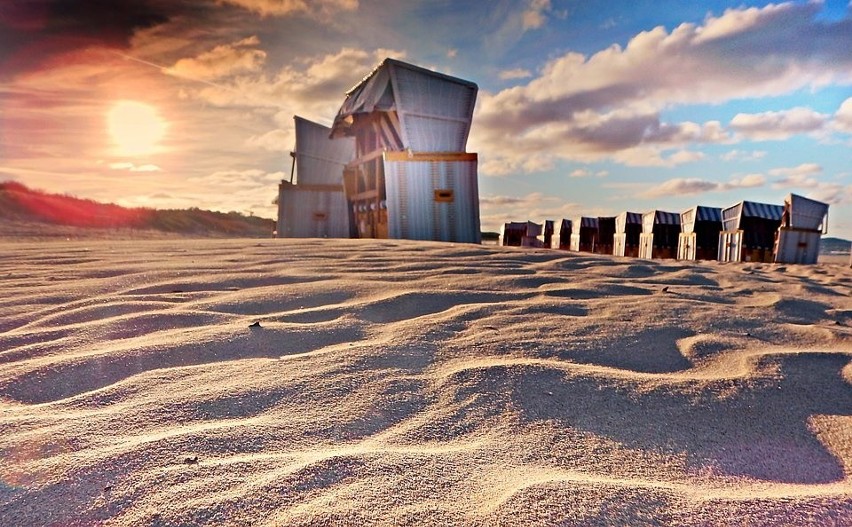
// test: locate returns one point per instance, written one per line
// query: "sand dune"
(312, 382)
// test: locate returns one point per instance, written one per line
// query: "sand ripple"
(348, 382)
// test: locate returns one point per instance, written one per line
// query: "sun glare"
(135, 127)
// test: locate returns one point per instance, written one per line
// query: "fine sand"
(347, 382)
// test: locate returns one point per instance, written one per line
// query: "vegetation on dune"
(835, 245)
(20, 203)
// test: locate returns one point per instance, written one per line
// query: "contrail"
(168, 71)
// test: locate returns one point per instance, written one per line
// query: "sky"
(584, 107)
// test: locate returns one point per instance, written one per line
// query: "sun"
(136, 128)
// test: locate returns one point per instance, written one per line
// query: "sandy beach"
(384, 382)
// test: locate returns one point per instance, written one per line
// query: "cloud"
(651, 156)
(499, 166)
(736, 22)
(37, 33)
(535, 14)
(251, 128)
(843, 117)
(685, 66)
(803, 178)
(747, 181)
(586, 108)
(506, 23)
(452, 53)
(609, 23)
(742, 155)
(503, 200)
(632, 139)
(246, 190)
(584, 172)
(516, 73)
(222, 61)
(778, 125)
(313, 88)
(237, 180)
(685, 156)
(312, 8)
(832, 193)
(530, 201)
(273, 141)
(77, 95)
(680, 187)
(134, 168)
(535, 206)
(692, 186)
(805, 169)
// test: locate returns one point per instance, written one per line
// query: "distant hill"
(834, 246)
(19, 204)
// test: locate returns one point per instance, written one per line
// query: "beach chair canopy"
(627, 218)
(320, 160)
(699, 213)
(805, 213)
(586, 222)
(522, 228)
(733, 216)
(658, 217)
(427, 110)
(533, 229)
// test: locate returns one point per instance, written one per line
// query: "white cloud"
(313, 8)
(803, 170)
(499, 201)
(685, 156)
(585, 172)
(747, 181)
(607, 105)
(536, 206)
(609, 23)
(452, 53)
(680, 187)
(273, 141)
(742, 155)
(692, 186)
(516, 73)
(146, 168)
(237, 180)
(314, 88)
(803, 178)
(535, 15)
(832, 193)
(843, 117)
(631, 139)
(502, 166)
(736, 21)
(651, 156)
(130, 167)
(778, 125)
(222, 61)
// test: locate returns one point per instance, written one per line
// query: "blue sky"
(584, 107)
